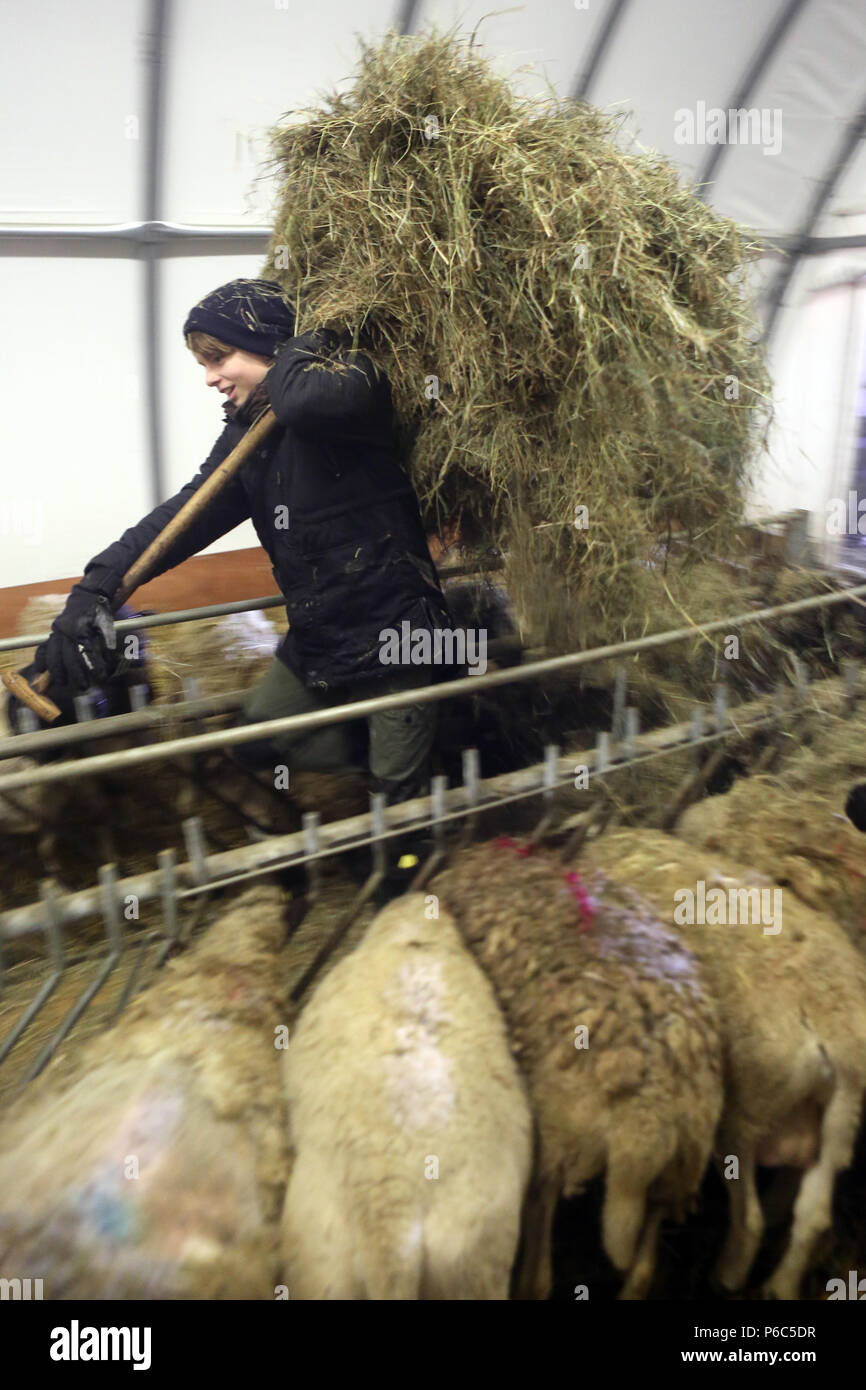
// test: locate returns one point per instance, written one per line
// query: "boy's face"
(237, 375)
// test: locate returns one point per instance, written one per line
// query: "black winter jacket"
(331, 505)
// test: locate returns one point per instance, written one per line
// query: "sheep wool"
(617, 1034)
(793, 1030)
(411, 1127)
(157, 1170)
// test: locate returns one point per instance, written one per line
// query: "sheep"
(152, 1164)
(617, 1034)
(801, 824)
(794, 1035)
(410, 1124)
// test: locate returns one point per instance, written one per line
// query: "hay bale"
(666, 681)
(581, 311)
(222, 654)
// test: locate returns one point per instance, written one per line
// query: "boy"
(337, 515)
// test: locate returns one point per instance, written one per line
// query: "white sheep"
(617, 1035)
(411, 1127)
(151, 1163)
(794, 1033)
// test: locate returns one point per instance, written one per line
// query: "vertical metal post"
(167, 864)
(155, 41)
(310, 825)
(620, 691)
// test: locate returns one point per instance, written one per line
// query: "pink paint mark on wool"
(506, 842)
(587, 906)
(576, 886)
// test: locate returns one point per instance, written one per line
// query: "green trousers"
(400, 739)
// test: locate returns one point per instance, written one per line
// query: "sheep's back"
(607, 1009)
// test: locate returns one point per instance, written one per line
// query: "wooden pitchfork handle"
(32, 695)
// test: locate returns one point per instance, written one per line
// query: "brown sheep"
(637, 1095)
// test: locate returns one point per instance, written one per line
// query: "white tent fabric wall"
(71, 119)
(74, 151)
(232, 69)
(74, 462)
(816, 364)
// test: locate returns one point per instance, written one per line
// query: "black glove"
(82, 648)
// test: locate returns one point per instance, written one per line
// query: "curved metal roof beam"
(155, 47)
(853, 134)
(773, 38)
(599, 48)
(405, 21)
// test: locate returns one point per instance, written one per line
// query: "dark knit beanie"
(249, 314)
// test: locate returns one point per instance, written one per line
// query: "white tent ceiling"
(140, 125)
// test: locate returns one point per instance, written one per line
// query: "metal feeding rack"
(709, 734)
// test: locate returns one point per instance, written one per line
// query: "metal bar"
(816, 245)
(155, 31)
(27, 721)
(602, 752)
(155, 57)
(167, 861)
(193, 834)
(151, 291)
(217, 610)
(694, 782)
(405, 21)
(357, 709)
(114, 935)
(377, 819)
(132, 978)
(600, 45)
(144, 233)
(153, 717)
(336, 836)
(620, 696)
(425, 871)
(169, 235)
(50, 914)
(632, 731)
(760, 60)
(181, 615)
(549, 784)
(846, 149)
(310, 828)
